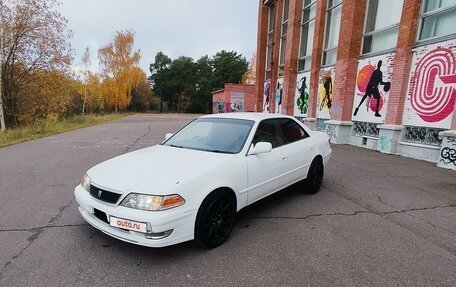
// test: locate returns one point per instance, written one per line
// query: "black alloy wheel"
(314, 176)
(215, 219)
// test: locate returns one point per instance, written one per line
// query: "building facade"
(234, 98)
(380, 74)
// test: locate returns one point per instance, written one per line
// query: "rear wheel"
(314, 178)
(215, 219)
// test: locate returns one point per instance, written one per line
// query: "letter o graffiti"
(431, 100)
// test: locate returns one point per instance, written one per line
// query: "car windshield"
(213, 135)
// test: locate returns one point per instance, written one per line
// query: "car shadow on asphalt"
(190, 249)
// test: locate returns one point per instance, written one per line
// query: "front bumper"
(180, 220)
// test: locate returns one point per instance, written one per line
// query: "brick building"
(234, 98)
(374, 73)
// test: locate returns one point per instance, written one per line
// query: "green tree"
(228, 67)
(159, 70)
(181, 83)
(202, 102)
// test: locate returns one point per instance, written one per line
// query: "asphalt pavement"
(379, 220)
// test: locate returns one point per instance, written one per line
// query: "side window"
(292, 131)
(268, 131)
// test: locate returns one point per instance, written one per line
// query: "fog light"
(159, 235)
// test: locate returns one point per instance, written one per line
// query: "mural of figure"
(372, 88)
(279, 96)
(303, 99)
(266, 96)
(327, 84)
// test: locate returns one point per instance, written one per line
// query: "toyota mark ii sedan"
(192, 185)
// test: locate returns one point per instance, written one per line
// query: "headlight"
(152, 202)
(85, 182)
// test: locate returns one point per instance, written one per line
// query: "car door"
(266, 170)
(299, 149)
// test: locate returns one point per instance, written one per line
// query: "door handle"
(285, 158)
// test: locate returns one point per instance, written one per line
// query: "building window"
(436, 19)
(382, 25)
(333, 16)
(307, 33)
(283, 36)
(270, 40)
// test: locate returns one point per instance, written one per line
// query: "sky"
(192, 28)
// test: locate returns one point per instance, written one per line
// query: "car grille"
(104, 195)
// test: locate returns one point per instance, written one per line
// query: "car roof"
(246, 116)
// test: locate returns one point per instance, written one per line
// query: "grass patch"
(51, 127)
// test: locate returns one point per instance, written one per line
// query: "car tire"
(314, 180)
(215, 219)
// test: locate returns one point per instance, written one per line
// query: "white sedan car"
(192, 185)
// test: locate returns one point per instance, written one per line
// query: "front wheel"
(314, 178)
(215, 219)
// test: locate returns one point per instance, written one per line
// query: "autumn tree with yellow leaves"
(34, 45)
(118, 62)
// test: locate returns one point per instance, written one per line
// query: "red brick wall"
(261, 55)
(225, 95)
(247, 90)
(349, 46)
(291, 56)
(275, 55)
(403, 61)
(316, 57)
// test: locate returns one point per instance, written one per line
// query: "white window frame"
(283, 37)
(270, 40)
(423, 15)
(324, 42)
(306, 23)
(376, 32)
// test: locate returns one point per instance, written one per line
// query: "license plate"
(128, 224)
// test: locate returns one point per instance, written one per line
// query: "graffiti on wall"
(325, 93)
(301, 101)
(432, 86)
(219, 106)
(237, 102)
(372, 88)
(278, 95)
(267, 88)
(448, 152)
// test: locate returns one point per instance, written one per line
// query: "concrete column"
(291, 56)
(447, 157)
(349, 48)
(261, 55)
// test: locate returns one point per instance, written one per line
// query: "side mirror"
(168, 135)
(260, 147)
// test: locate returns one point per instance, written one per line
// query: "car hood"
(155, 170)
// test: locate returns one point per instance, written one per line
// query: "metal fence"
(365, 129)
(422, 135)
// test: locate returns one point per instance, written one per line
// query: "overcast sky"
(191, 28)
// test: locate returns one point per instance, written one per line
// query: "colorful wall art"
(267, 89)
(325, 93)
(301, 100)
(237, 102)
(373, 83)
(278, 96)
(432, 86)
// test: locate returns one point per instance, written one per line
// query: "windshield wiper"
(178, 146)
